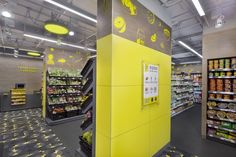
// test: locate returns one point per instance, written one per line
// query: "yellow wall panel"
(134, 143)
(159, 134)
(127, 112)
(133, 131)
(163, 106)
(127, 57)
(103, 146)
(103, 110)
(104, 49)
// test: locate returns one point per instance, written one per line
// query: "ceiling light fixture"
(35, 54)
(194, 62)
(6, 14)
(189, 48)
(198, 7)
(56, 28)
(71, 33)
(70, 10)
(55, 41)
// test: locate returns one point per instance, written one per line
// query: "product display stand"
(221, 105)
(87, 139)
(182, 93)
(197, 87)
(63, 92)
(18, 97)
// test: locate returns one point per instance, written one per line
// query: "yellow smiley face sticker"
(166, 33)
(120, 24)
(151, 17)
(154, 38)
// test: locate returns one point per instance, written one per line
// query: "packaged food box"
(233, 63)
(219, 96)
(217, 74)
(221, 63)
(216, 64)
(229, 73)
(226, 125)
(227, 97)
(222, 73)
(212, 96)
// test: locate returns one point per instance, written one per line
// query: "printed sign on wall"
(150, 83)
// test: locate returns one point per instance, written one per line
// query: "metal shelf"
(175, 114)
(220, 109)
(222, 77)
(179, 105)
(221, 100)
(223, 139)
(222, 119)
(225, 69)
(221, 128)
(221, 92)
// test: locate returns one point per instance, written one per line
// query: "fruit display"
(63, 89)
(56, 100)
(54, 82)
(87, 136)
(63, 72)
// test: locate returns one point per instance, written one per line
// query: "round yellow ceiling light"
(35, 54)
(56, 28)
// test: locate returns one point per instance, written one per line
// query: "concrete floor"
(186, 135)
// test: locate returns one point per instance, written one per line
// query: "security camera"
(220, 21)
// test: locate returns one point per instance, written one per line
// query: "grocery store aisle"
(24, 133)
(186, 135)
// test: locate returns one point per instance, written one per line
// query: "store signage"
(28, 69)
(150, 83)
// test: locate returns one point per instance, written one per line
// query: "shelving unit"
(87, 139)
(182, 93)
(63, 96)
(221, 106)
(18, 97)
(197, 87)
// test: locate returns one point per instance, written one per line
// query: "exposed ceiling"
(29, 16)
(188, 25)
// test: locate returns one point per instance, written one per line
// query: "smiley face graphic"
(120, 24)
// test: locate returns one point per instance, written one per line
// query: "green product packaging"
(226, 125)
(217, 74)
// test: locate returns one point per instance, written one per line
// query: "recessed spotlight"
(6, 14)
(71, 33)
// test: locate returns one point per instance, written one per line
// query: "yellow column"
(128, 35)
